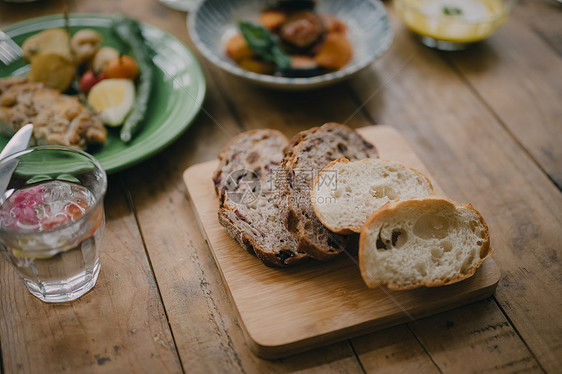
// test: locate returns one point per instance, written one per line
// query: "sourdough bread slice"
(360, 188)
(249, 203)
(431, 241)
(308, 153)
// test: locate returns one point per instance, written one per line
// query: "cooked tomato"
(272, 19)
(335, 51)
(122, 67)
(237, 48)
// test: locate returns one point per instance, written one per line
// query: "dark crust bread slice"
(307, 154)
(249, 150)
(249, 204)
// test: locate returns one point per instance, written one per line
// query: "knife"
(19, 142)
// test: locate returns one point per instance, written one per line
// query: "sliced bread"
(259, 151)
(345, 194)
(249, 206)
(308, 153)
(431, 241)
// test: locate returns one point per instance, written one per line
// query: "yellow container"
(453, 24)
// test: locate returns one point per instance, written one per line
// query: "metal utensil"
(9, 50)
(19, 142)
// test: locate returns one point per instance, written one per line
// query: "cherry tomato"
(122, 67)
(89, 79)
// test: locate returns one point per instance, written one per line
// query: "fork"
(9, 50)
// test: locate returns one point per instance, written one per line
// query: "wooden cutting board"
(284, 311)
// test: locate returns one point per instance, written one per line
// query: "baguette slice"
(249, 203)
(308, 153)
(345, 194)
(431, 241)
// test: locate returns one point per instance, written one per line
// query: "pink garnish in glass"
(20, 211)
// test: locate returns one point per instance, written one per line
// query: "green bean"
(130, 33)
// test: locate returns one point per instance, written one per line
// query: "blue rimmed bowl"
(368, 29)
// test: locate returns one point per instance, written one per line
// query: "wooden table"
(486, 122)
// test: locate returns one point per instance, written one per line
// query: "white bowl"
(368, 29)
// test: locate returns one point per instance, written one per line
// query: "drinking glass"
(52, 220)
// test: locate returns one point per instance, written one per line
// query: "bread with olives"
(249, 202)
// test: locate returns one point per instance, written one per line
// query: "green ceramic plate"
(178, 93)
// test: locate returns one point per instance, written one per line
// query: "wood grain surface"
(486, 124)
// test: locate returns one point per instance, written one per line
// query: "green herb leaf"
(265, 44)
(452, 11)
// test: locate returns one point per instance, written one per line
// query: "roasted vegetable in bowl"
(292, 40)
